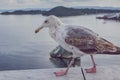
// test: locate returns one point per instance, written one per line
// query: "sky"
(15, 4)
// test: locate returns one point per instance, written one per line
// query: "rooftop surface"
(103, 73)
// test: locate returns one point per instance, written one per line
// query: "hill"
(63, 11)
(21, 12)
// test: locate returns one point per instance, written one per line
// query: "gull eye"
(46, 21)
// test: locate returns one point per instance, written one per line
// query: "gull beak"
(38, 29)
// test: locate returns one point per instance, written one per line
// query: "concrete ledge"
(103, 73)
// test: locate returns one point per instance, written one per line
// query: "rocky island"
(115, 16)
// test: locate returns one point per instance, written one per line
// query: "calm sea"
(21, 48)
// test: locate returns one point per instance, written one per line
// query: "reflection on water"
(20, 48)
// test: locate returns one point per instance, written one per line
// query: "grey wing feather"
(81, 38)
(88, 41)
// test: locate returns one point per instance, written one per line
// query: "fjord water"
(21, 48)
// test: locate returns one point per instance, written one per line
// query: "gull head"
(51, 21)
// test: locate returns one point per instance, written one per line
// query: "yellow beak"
(38, 29)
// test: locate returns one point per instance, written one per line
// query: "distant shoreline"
(62, 11)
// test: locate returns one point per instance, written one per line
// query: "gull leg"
(93, 69)
(64, 72)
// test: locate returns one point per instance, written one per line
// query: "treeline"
(62, 11)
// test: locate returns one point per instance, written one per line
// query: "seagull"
(78, 40)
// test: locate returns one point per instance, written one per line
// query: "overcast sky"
(11, 4)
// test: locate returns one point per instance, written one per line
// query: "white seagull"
(78, 40)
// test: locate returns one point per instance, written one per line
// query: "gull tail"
(117, 52)
(106, 47)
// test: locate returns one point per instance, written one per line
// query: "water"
(21, 48)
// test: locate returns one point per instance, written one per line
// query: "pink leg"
(64, 72)
(93, 69)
